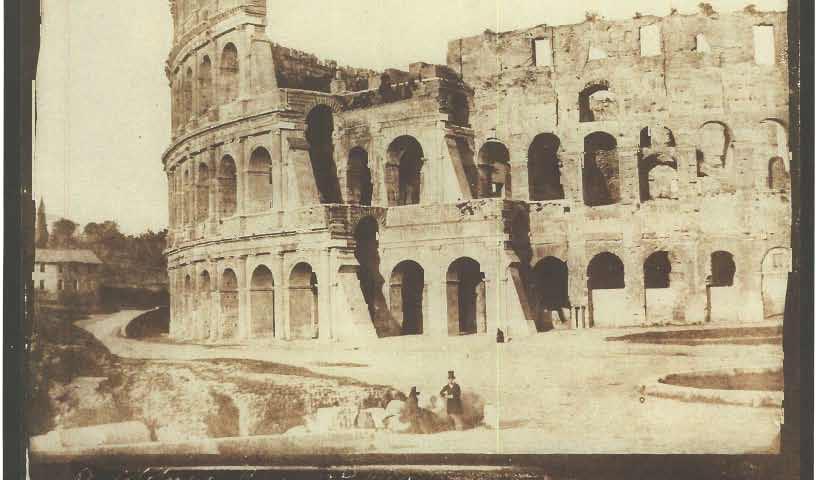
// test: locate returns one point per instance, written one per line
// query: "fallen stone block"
(94, 436)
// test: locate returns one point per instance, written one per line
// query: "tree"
(41, 233)
(63, 233)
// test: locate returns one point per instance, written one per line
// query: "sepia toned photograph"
(276, 228)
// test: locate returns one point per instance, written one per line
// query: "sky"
(103, 100)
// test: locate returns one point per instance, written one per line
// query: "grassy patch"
(734, 336)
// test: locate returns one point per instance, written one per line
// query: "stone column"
(241, 167)
(278, 172)
(326, 282)
(281, 298)
(213, 215)
(244, 328)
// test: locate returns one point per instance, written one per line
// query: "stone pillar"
(279, 183)
(244, 328)
(437, 318)
(281, 299)
(697, 300)
(572, 176)
(326, 281)
(241, 167)
(628, 175)
(213, 215)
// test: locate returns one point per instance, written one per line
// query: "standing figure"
(453, 394)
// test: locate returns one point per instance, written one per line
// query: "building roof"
(48, 255)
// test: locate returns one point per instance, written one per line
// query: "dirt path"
(559, 392)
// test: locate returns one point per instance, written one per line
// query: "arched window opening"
(466, 297)
(203, 192)
(403, 171)
(494, 170)
(596, 102)
(550, 288)
(259, 180)
(319, 129)
(303, 312)
(712, 150)
(229, 73)
(775, 268)
(262, 301)
(229, 304)
(605, 271)
(544, 168)
(227, 179)
(359, 177)
(407, 290)
(204, 296)
(657, 270)
(723, 269)
(606, 283)
(187, 94)
(658, 177)
(601, 172)
(656, 138)
(205, 93)
(778, 176)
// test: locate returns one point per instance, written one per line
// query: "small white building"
(61, 274)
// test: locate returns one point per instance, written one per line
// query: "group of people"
(425, 421)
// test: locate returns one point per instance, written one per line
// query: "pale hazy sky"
(103, 102)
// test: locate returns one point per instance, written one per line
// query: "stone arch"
(303, 304)
(187, 94)
(205, 86)
(204, 304)
(203, 192)
(403, 171)
(262, 301)
(544, 168)
(467, 311)
(606, 284)
(407, 296)
(656, 137)
(723, 298)
(657, 270)
(494, 170)
(229, 304)
(778, 176)
(550, 292)
(773, 150)
(319, 131)
(658, 178)
(775, 267)
(229, 73)
(601, 170)
(596, 102)
(227, 187)
(714, 140)
(259, 180)
(360, 187)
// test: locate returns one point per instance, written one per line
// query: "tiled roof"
(47, 255)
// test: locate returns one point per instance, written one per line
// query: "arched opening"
(778, 176)
(406, 294)
(359, 177)
(229, 74)
(203, 192)
(550, 293)
(657, 175)
(259, 181)
(303, 311)
(205, 93)
(319, 128)
(596, 102)
(601, 171)
(494, 170)
(187, 195)
(262, 302)
(459, 109)
(467, 312)
(714, 140)
(656, 270)
(227, 187)
(229, 304)
(544, 168)
(724, 301)
(205, 301)
(189, 301)
(605, 281)
(776, 265)
(187, 94)
(656, 138)
(403, 171)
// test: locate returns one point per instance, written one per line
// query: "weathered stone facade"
(602, 174)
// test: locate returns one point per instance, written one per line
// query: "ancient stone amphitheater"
(601, 174)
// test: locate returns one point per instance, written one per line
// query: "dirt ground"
(568, 391)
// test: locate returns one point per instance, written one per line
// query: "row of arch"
(405, 158)
(213, 85)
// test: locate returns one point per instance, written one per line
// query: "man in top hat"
(453, 394)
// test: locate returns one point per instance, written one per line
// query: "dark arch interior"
(551, 283)
(605, 271)
(262, 301)
(366, 237)
(494, 170)
(403, 171)
(644, 169)
(303, 305)
(585, 113)
(466, 306)
(657, 270)
(723, 269)
(601, 172)
(359, 177)
(544, 172)
(407, 288)
(319, 128)
(228, 187)
(229, 73)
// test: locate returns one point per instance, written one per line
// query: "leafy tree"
(62, 235)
